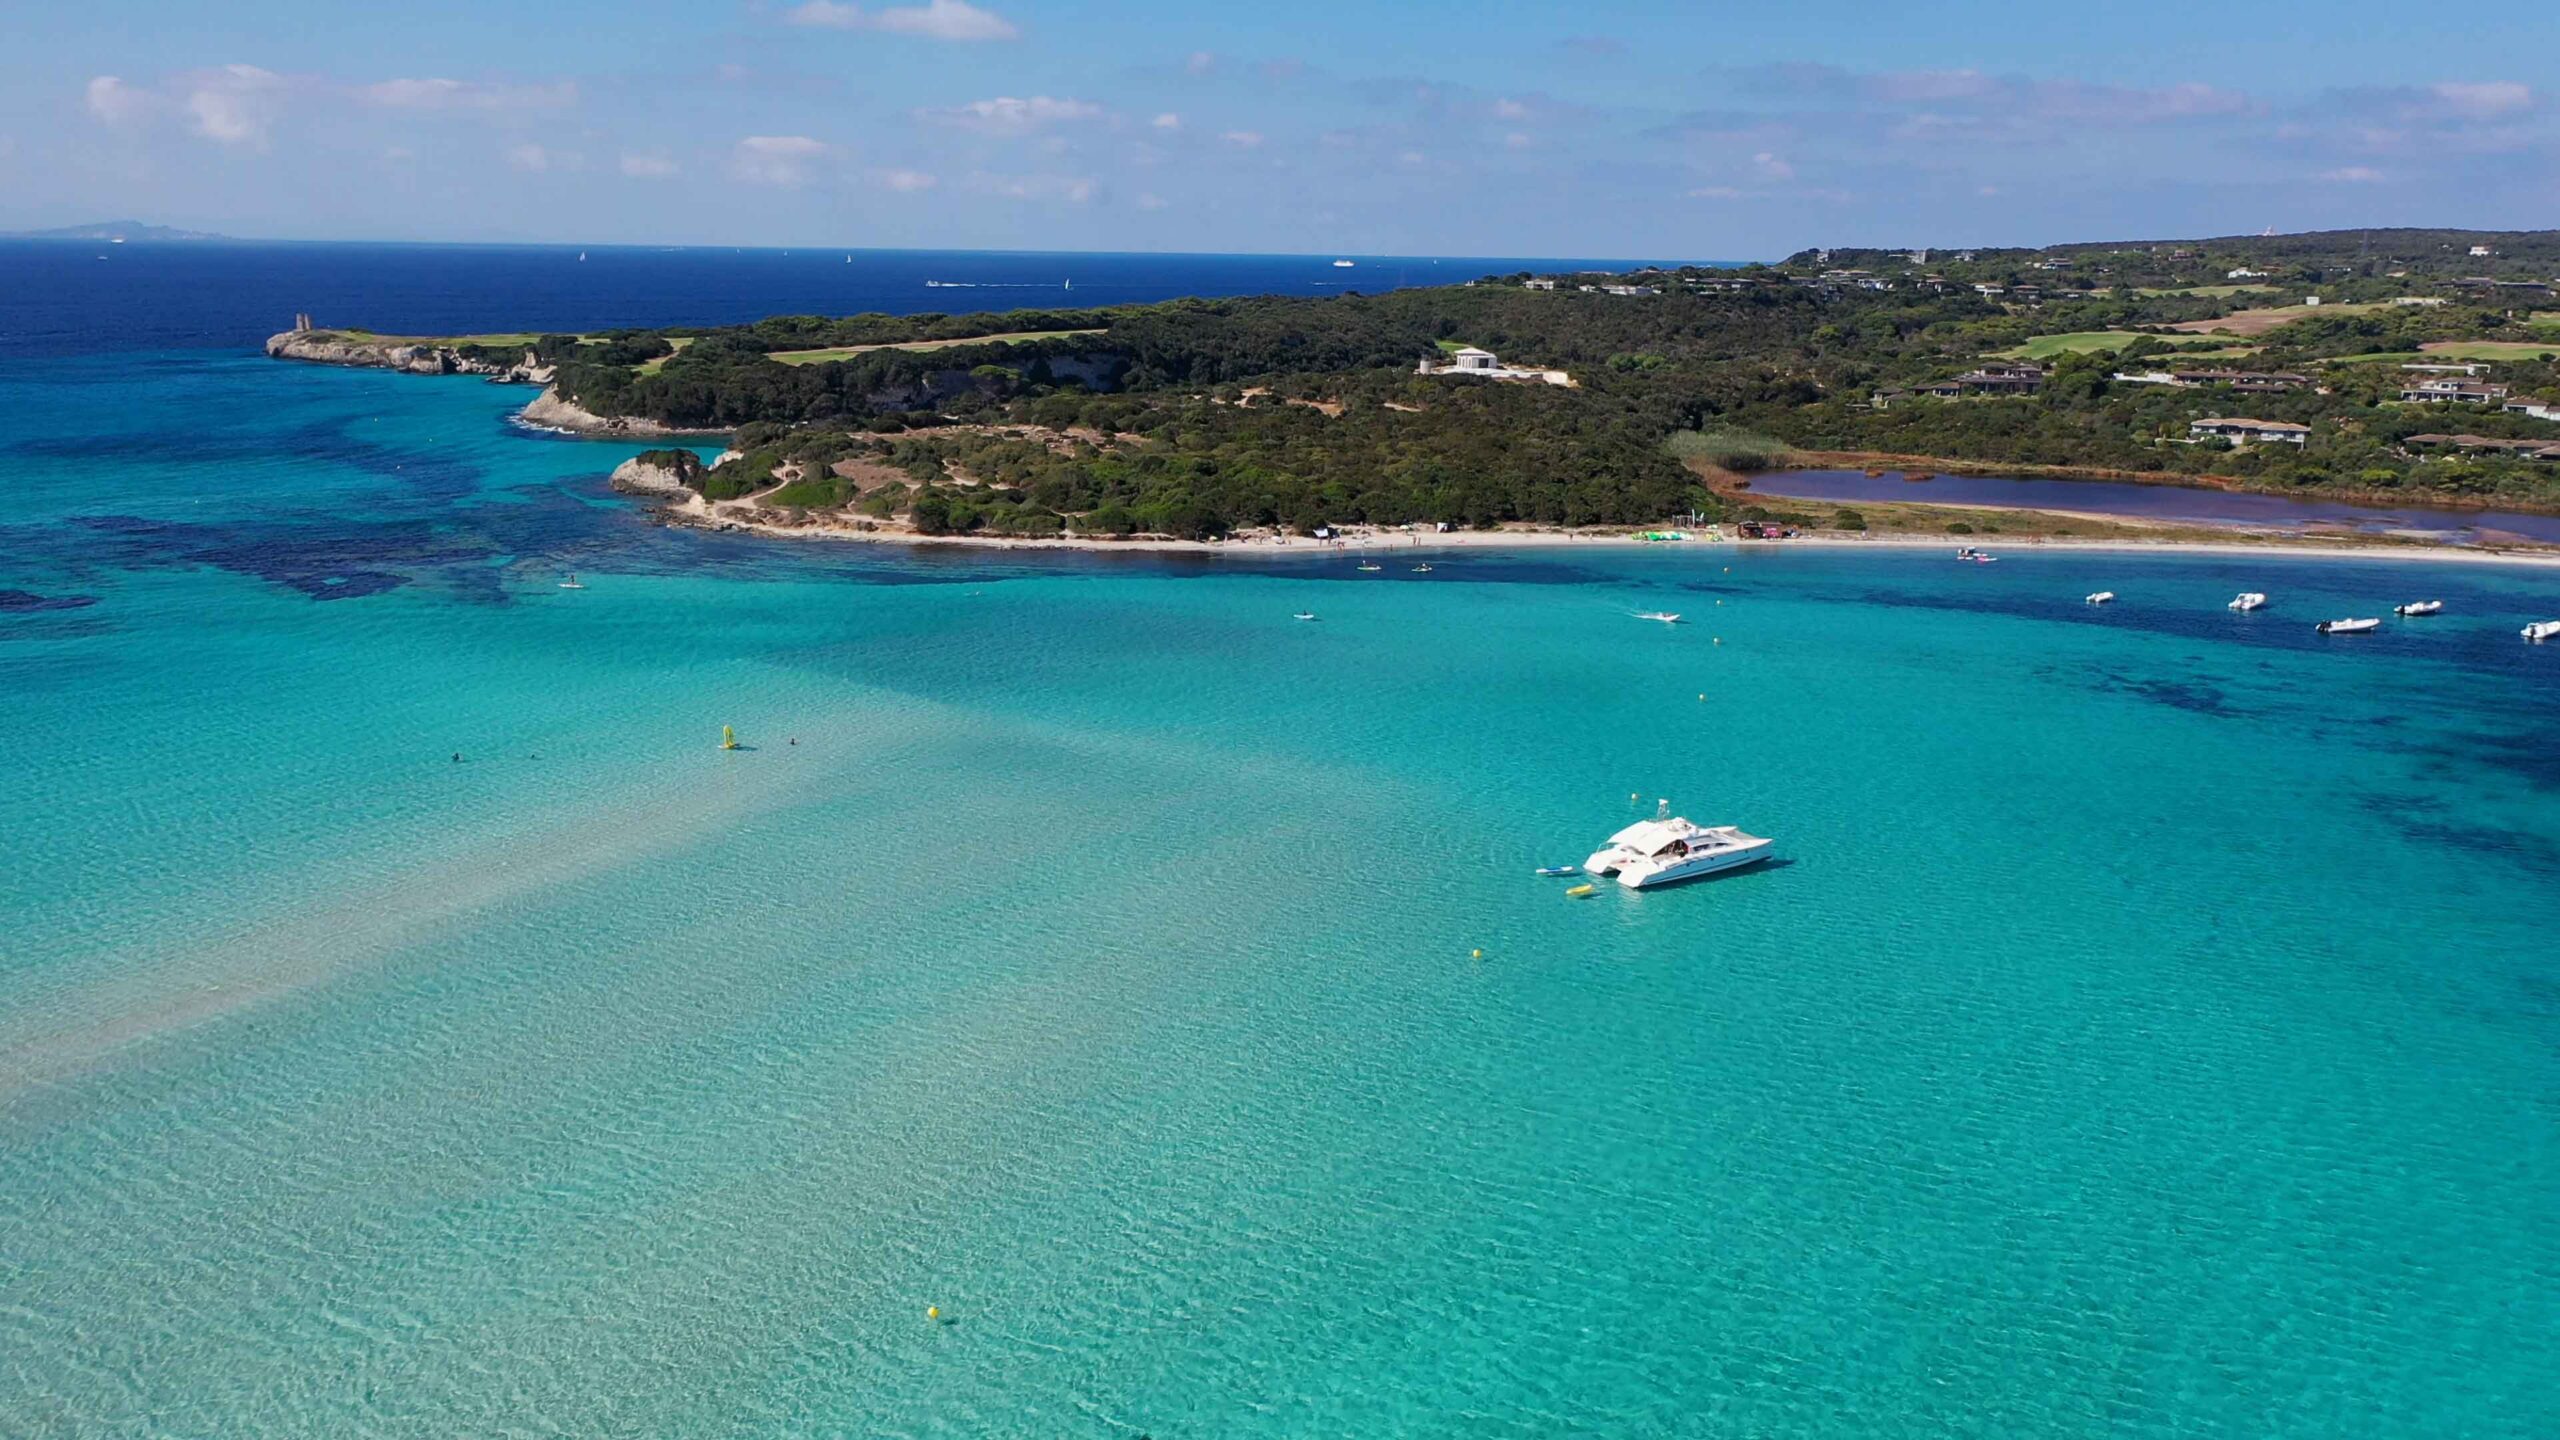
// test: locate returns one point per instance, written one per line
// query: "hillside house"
(1484, 364)
(2486, 445)
(2001, 377)
(2453, 392)
(2240, 430)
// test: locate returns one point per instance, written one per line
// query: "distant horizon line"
(209, 239)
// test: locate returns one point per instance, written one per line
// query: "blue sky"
(1485, 127)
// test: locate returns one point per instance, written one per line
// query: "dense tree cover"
(1200, 416)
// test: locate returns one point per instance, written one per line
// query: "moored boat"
(2349, 627)
(2418, 607)
(1552, 870)
(2101, 597)
(1667, 617)
(2541, 630)
(2247, 600)
(1304, 615)
(1668, 849)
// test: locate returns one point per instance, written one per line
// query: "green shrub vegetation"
(1196, 417)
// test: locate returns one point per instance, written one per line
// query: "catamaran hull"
(1650, 877)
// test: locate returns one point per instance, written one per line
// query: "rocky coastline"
(550, 410)
(329, 347)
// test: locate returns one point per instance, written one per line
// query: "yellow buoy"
(933, 1312)
(728, 738)
(1475, 954)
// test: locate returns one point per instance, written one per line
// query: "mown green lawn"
(2045, 347)
(2494, 349)
(516, 338)
(820, 357)
(2212, 292)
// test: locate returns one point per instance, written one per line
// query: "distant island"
(2397, 365)
(116, 232)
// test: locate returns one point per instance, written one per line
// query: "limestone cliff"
(551, 411)
(657, 473)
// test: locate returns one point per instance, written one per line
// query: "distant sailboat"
(582, 256)
(1070, 285)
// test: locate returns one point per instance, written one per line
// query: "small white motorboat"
(1667, 617)
(1978, 557)
(2247, 600)
(1365, 565)
(1421, 569)
(1304, 615)
(2418, 607)
(572, 582)
(2349, 627)
(2101, 597)
(2541, 630)
(1559, 869)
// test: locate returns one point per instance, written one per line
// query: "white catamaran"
(1667, 849)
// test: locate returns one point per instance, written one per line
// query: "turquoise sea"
(2154, 1028)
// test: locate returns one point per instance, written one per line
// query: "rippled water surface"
(2153, 1029)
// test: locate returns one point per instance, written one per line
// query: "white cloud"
(648, 164)
(1771, 167)
(1243, 139)
(1517, 141)
(2352, 175)
(437, 93)
(235, 105)
(536, 160)
(1201, 62)
(1715, 192)
(2481, 99)
(1510, 110)
(1167, 121)
(1411, 157)
(117, 103)
(1149, 200)
(1075, 190)
(1010, 115)
(935, 20)
(905, 182)
(780, 160)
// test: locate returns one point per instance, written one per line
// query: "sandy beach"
(684, 507)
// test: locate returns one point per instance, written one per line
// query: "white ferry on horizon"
(1668, 849)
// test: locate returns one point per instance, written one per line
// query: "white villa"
(2243, 431)
(1472, 361)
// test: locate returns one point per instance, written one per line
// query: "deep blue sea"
(67, 298)
(413, 1024)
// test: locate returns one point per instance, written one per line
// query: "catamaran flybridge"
(1667, 849)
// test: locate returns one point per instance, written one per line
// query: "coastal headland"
(1646, 402)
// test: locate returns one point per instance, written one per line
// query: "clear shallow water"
(2154, 1032)
(2190, 505)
